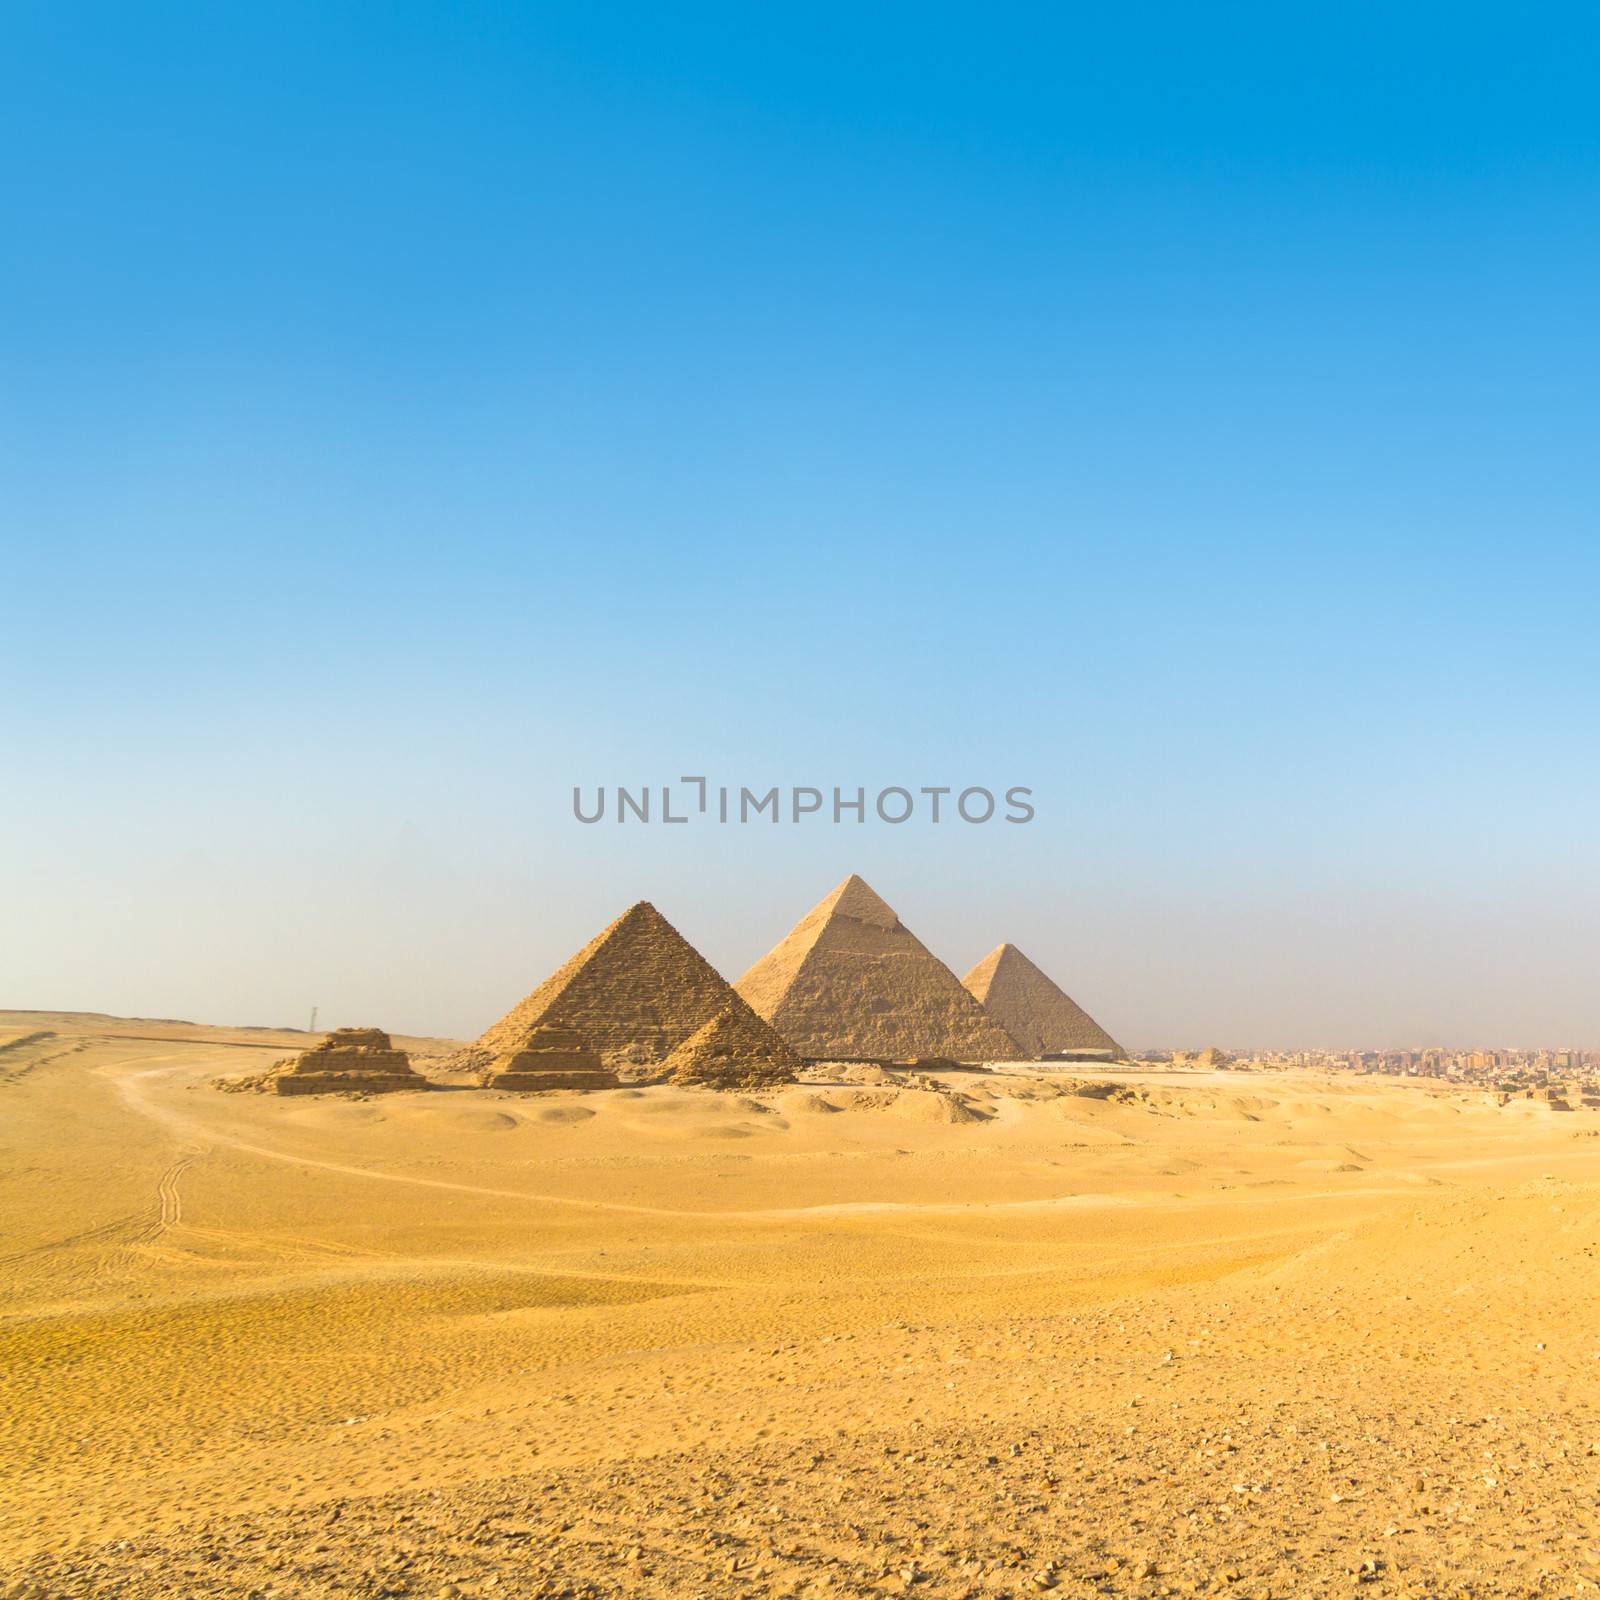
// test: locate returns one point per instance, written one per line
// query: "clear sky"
(410, 411)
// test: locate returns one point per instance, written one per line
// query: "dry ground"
(1217, 1334)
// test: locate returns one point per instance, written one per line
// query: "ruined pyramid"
(347, 1061)
(633, 994)
(853, 983)
(1037, 1014)
(549, 1057)
(735, 1050)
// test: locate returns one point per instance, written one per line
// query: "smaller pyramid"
(735, 1050)
(549, 1057)
(349, 1060)
(1043, 1019)
(633, 994)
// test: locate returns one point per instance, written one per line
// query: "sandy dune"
(973, 1335)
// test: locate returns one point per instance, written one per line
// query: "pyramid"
(347, 1060)
(735, 1050)
(853, 983)
(549, 1057)
(1042, 1019)
(633, 994)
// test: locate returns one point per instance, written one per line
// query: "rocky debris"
(852, 983)
(251, 1083)
(856, 1072)
(735, 1050)
(348, 1060)
(22, 1053)
(1099, 1089)
(1060, 1505)
(1040, 1016)
(634, 993)
(21, 1041)
(550, 1057)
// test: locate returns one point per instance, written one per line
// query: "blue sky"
(407, 412)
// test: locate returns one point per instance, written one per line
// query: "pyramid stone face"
(735, 1050)
(634, 993)
(1033, 1010)
(348, 1060)
(853, 983)
(550, 1057)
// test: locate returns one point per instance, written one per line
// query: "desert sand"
(1085, 1332)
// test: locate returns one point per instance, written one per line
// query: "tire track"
(169, 1202)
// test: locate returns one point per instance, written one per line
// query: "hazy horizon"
(408, 419)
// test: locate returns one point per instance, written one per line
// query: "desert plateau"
(1031, 1329)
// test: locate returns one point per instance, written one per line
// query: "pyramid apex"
(855, 897)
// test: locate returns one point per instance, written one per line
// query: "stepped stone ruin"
(549, 1057)
(735, 1050)
(349, 1060)
(852, 983)
(1043, 1019)
(1211, 1056)
(635, 993)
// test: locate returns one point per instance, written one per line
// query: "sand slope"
(968, 1334)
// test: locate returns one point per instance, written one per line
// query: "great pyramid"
(735, 1050)
(549, 1057)
(634, 993)
(347, 1061)
(1037, 1014)
(853, 983)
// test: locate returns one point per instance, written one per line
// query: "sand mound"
(348, 1061)
(927, 1105)
(549, 1057)
(1042, 1018)
(735, 1050)
(467, 1118)
(333, 1114)
(633, 994)
(852, 982)
(564, 1114)
(806, 1103)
